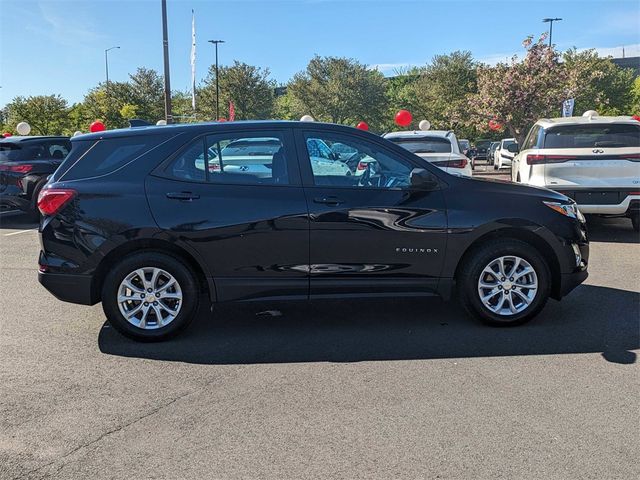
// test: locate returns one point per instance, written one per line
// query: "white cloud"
(77, 33)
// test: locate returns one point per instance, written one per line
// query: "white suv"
(594, 160)
(503, 155)
(440, 147)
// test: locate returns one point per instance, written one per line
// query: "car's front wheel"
(506, 282)
(150, 296)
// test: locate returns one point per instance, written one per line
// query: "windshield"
(483, 144)
(506, 143)
(424, 144)
(592, 136)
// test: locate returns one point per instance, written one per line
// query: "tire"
(469, 290)
(34, 213)
(635, 222)
(149, 329)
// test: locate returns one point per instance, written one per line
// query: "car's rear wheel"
(635, 222)
(506, 282)
(150, 296)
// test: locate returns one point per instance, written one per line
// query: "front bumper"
(569, 281)
(69, 287)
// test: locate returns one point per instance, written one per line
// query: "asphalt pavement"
(400, 388)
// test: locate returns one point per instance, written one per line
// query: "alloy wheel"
(149, 298)
(508, 285)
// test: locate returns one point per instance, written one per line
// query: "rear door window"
(593, 136)
(105, 156)
(244, 158)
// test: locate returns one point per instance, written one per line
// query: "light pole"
(165, 48)
(550, 22)
(106, 66)
(216, 42)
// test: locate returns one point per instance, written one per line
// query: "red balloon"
(6, 134)
(403, 118)
(97, 126)
(362, 126)
(495, 125)
(636, 117)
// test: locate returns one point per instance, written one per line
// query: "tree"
(46, 114)
(597, 83)
(518, 94)
(145, 89)
(440, 91)
(247, 86)
(339, 90)
(635, 97)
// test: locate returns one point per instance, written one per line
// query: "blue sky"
(57, 46)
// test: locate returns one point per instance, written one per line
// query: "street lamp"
(106, 65)
(216, 42)
(550, 22)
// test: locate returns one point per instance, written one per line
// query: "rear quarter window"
(90, 158)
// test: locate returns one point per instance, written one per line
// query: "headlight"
(567, 209)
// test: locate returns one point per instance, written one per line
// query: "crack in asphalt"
(104, 435)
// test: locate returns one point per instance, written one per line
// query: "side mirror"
(513, 148)
(423, 179)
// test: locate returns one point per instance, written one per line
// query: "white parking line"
(20, 231)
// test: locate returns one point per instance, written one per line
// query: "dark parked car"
(482, 148)
(25, 164)
(137, 219)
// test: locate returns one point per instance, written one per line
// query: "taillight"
(362, 165)
(457, 163)
(540, 159)
(51, 200)
(16, 168)
(214, 167)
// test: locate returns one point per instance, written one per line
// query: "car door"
(242, 209)
(371, 233)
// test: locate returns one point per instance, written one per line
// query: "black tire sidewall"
(481, 258)
(175, 267)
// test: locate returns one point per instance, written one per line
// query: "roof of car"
(419, 133)
(207, 127)
(28, 138)
(548, 122)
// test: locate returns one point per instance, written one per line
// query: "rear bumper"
(623, 204)
(16, 201)
(68, 287)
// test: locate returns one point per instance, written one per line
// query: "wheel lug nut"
(155, 303)
(146, 304)
(149, 290)
(499, 287)
(502, 279)
(142, 295)
(511, 279)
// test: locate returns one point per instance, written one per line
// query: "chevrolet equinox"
(152, 220)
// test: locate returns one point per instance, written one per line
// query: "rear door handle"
(185, 196)
(328, 200)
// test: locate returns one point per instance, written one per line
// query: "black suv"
(25, 164)
(151, 220)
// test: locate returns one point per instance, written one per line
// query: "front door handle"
(328, 200)
(185, 196)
